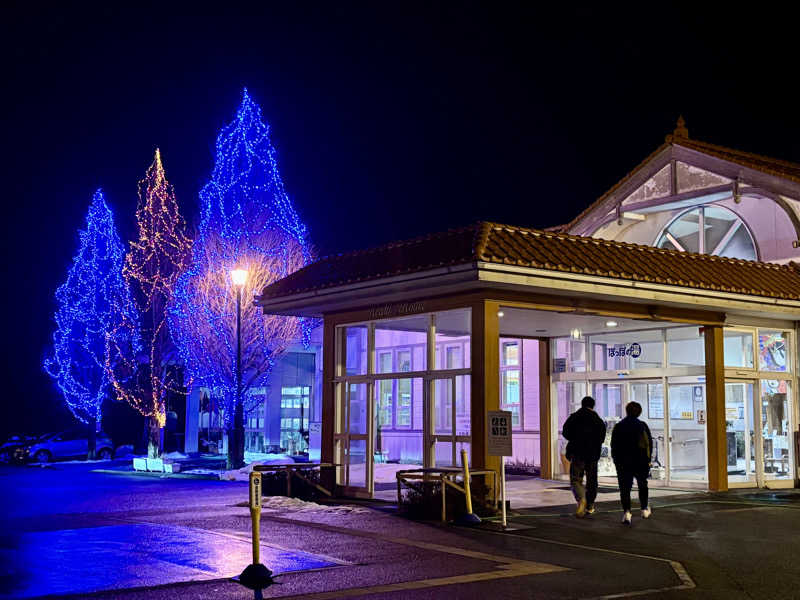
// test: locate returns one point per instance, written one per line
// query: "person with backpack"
(584, 431)
(631, 450)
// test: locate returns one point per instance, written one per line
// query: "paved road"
(66, 529)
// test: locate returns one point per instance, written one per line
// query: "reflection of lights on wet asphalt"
(75, 561)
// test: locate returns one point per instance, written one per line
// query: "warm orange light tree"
(155, 260)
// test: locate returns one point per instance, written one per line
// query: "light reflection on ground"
(76, 561)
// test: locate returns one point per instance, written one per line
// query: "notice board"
(499, 438)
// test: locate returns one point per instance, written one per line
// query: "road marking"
(687, 583)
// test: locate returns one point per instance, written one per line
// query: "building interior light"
(500, 313)
(612, 324)
(575, 334)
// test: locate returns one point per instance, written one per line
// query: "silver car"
(69, 444)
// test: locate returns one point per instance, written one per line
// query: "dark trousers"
(577, 469)
(625, 477)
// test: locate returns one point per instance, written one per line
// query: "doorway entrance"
(676, 421)
(758, 449)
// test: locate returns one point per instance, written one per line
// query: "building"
(675, 289)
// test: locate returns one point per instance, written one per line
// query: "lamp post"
(239, 278)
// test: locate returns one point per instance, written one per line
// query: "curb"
(158, 475)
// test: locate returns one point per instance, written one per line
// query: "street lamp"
(239, 278)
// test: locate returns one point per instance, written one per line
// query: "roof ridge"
(643, 247)
(784, 162)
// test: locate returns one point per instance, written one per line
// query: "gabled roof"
(680, 137)
(551, 251)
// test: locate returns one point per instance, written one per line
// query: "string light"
(248, 222)
(91, 304)
(154, 262)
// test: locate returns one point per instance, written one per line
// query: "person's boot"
(581, 510)
(626, 518)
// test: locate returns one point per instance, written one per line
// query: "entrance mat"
(600, 490)
(81, 561)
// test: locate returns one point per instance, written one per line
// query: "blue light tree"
(248, 222)
(92, 303)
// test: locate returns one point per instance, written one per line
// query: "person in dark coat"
(631, 450)
(584, 431)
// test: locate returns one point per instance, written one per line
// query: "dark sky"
(391, 119)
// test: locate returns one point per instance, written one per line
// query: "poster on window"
(681, 404)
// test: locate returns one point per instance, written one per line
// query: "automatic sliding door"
(687, 432)
(650, 394)
(740, 432)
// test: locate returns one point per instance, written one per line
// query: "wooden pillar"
(715, 410)
(545, 412)
(485, 381)
(328, 476)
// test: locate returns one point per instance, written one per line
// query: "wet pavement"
(67, 530)
(77, 561)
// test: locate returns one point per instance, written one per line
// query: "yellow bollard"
(470, 518)
(256, 576)
(255, 514)
(465, 465)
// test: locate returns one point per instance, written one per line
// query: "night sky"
(390, 119)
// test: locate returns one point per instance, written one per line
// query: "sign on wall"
(499, 438)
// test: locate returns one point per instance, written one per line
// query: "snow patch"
(285, 504)
(243, 474)
(174, 455)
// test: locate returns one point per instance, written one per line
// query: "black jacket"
(631, 444)
(585, 432)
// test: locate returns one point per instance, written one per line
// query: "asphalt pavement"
(79, 534)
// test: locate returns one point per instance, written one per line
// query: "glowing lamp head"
(239, 277)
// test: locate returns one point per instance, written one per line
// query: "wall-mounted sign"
(701, 417)
(499, 440)
(633, 350)
(559, 365)
(394, 310)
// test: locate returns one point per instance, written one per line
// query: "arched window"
(709, 230)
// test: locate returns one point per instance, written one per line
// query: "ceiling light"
(575, 334)
(500, 313)
(612, 324)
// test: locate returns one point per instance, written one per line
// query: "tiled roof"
(764, 164)
(509, 245)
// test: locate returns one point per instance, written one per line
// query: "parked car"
(14, 448)
(69, 444)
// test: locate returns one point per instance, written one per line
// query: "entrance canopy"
(539, 264)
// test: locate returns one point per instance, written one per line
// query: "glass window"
(356, 349)
(685, 347)
(738, 346)
(709, 230)
(510, 397)
(775, 425)
(385, 403)
(568, 399)
(772, 354)
(510, 353)
(569, 355)
(627, 350)
(453, 329)
(409, 334)
(404, 361)
(404, 403)
(384, 362)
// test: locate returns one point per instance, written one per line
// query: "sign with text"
(499, 442)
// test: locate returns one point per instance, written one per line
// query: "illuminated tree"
(156, 259)
(248, 222)
(91, 304)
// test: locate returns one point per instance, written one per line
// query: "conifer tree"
(248, 222)
(91, 304)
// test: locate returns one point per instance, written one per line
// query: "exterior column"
(715, 410)
(328, 416)
(545, 412)
(485, 382)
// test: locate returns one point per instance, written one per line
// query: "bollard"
(470, 518)
(256, 576)
(255, 514)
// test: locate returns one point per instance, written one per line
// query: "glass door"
(740, 418)
(774, 425)
(358, 441)
(450, 420)
(687, 430)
